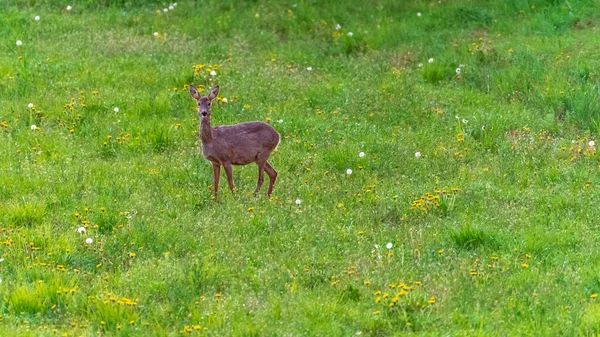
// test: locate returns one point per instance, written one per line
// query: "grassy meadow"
(438, 168)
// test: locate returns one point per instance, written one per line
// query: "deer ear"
(213, 93)
(194, 92)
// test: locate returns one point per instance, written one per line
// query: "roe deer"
(238, 144)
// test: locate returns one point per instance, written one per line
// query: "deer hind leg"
(272, 177)
(227, 167)
(217, 173)
(261, 175)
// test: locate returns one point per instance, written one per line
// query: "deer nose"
(204, 113)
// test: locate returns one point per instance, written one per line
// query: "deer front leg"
(217, 173)
(227, 167)
(261, 176)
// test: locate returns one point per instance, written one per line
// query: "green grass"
(512, 250)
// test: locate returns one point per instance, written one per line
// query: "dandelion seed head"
(349, 171)
(89, 241)
(80, 230)
(338, 27)
(309, 68)
(418, 154)
(350, 34)
(389, 245)
(165, 10)
(155, 34)
(298, 201)
(213, 73)
(171, 7)
(458, 70)
(465, 121)
(19, 43)
(591, 143)
(69, 7)
(30, 105)
(362, 154)
(420, 65)
(430, 60)
(116, 109)
(33, 127)
(37, 18)
(419, 14)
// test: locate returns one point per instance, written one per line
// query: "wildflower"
(174, 4)
(309, 68)
(431, 300)
(33, 127)
(213, 73)
(418, 154)
(591, 143)
(510, 50)
(348, 171)
(298, 201)
(430, 60)
(171, 7)
(362, 154)
(37, 18)
(80, 230)
(155, 34)
(419, 14)
(338, 27)
(19, 43)
(89, 241)
(458, 71)
(465, 121)
(165, 10)
(30, 105)
(350, 34)
(69, 8)
(224, 99)
(482, 127)
(280, 121)
(389, 245)
(594, 296)
(116, 109)
(377, 312)
(524, 265)
(420, 65)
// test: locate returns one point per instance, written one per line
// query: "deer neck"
(205, 130)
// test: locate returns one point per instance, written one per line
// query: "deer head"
(204, 102)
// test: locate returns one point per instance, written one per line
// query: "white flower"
(155, 34)
(280, 121)
(225, 99)
(174, 4)
(30, 105)
(1, 259)
(362, 154)
(19, 43)
(37, 18)
(458, 71)
(591, 143)
(171, 7)
(418, 154)
(456, 116)
(465, 121)
(420, 65)
(338, 27)
(116, 109)
(89, 241)
(430, 60)
(376, 246)
(165, 10)
(349, 171)
(389, 245)
(298, 201)
(419, 14)
(0, 280)
(213, 73)
(483, 127)
(350, 34)
(309, 68)
(69, 8)
(80, 230)
(33, 127)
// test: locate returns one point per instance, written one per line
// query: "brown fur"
(238, 144)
